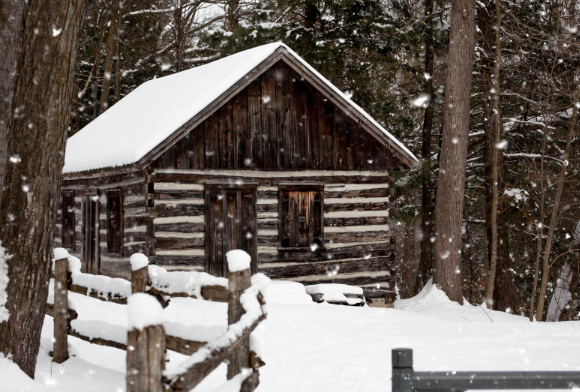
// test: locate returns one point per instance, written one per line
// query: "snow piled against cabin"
(322, 347)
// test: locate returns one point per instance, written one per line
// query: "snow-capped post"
(239, 279)
(139, 272)
(61, 317)
(145, 344)
(402, 364)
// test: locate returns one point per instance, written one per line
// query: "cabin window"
(115, 221)
(68, 220)
(301, 217)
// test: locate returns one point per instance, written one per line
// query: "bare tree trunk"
(503, 296)
(11, 24)
(179, 36)
(232, 20)
(118, 56)
(553, 218)
(97, 69)
(28, 210)
(494, 149)
(540, 230)
(426, 262)
(109, 50)
(451, 179)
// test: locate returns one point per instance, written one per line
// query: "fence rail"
(64, 316)
(146, 353)
(405, 379)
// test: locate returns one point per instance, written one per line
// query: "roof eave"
(95, 173)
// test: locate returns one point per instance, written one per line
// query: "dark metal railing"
(405, 379)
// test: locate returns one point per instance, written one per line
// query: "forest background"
(390, 56)
(485, 92)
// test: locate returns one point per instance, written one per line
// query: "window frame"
(111, 249)
(299, 187)
(64, 211)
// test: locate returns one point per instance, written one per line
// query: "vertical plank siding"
(278, 122)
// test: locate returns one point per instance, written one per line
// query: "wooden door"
(90, 212)
(230, 223)
(300, 211)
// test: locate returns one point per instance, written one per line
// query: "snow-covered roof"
(151, 113)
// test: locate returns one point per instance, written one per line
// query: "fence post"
(139, 273)
(61, 316)
(402, 363)
(238, 282)
(145, 345)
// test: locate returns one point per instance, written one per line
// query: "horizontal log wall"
(135, 217)
(179, 225)
(358, 245)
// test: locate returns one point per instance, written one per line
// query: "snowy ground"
(308, 346)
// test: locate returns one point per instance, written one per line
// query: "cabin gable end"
(279, 121)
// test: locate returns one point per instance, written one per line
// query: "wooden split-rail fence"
(146, 347)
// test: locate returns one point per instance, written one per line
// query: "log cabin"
(256, 151)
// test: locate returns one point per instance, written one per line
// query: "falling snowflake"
(420, 101)
(502, 145)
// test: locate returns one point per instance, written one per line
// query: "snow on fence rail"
(405, 379)
(151, 278)
(147, 340)
(67, 275)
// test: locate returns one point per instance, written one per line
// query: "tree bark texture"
(554, 217)
(232, 21)
(426, 258)
(11, 25)
(37, 135)
(178, 17)
(451, 179)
